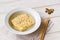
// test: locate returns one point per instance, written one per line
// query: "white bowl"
(30, 11)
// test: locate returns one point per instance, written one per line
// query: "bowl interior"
(18, 13)
(31, 12)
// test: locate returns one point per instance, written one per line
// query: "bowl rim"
(19, 9)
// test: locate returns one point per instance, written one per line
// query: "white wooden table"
(6, 6)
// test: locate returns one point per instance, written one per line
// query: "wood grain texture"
(45, 26)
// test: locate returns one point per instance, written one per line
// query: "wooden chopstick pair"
(45, 26)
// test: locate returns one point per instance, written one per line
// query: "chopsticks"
(42, 35)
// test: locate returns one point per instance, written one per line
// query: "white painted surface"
(6, 6)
